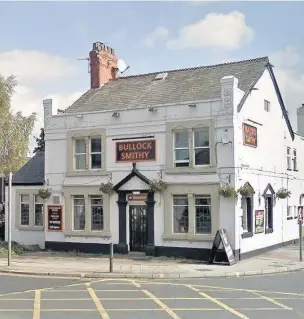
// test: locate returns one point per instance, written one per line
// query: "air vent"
(56, 200)
(161, 76)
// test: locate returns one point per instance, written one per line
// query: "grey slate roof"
(192, 84)
(32, 173)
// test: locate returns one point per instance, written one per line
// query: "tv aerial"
(86, 59)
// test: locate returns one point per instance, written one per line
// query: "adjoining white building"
(195, 129)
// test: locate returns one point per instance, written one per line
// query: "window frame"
(248, 231)
(175, 161)
(200, 147)
(95, 153)
(75, 197)
(77, 154)
(177, 196)
(269, 217)
(42, 210)
(91, 197)
(294, 160)
(289, 158)
(266, 105)
(289, 213)
(29, 209)
(203, 196)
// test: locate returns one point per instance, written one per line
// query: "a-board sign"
(55, 217)
(136, 151)
(222, 237)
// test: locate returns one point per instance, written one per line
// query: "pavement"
(146, 299)
(87, 266)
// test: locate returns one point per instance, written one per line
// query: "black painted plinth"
(122, 248)
(150, 250)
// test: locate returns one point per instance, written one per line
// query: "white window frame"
(266, 106)
(295, 211)
(24, 203)
(294, 160)
(288, 154)
(195, 206)
(95, 153)
(289, 211)
(185, 196)
(180, 148)
(91, 197)
(74, 197)
(200, 147)
(41, 203)
(75, 154)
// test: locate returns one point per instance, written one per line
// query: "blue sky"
(66, 30)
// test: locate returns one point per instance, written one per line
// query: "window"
(79, 212)
(180, 214)
(201, 147)
(269, 213)
(96, 213)
(289, 212)
(203, 214)
(294, 159)
(295, 212)
(288, 158)
(95, 152)
(181, 149)
(80, 154)
(247, 214)
(25, 210)
(38, 207)
(266, 106)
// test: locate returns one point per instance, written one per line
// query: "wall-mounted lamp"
(152, 109)
(116, 114)
(79, 116)
(192, 105)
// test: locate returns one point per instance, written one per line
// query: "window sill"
(31, 228)
(95, 172)
(289, 169)
(295, 170)
(79, 233)
(247, 234)
(188, 237)
(289, 218)
(187, 170)
(269, 230)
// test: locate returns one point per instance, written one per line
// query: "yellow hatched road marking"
(36, 314)
(162, 305)
(219, 303)
(273, 301)
(97, 302)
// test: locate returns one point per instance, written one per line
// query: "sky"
(41, 43)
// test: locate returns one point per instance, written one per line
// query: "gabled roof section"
(133, 173)
(32, 173)
(182, 85)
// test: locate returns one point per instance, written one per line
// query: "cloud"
(35, 65)
(28, 102)
(289, 71)
(160, 33)
(216, 30)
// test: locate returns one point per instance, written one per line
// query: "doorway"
(138, 227)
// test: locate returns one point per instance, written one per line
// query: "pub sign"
(136, 151)
(55, 217)
(250, 135)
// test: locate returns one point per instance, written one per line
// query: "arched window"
(269, 196)
(247, 206)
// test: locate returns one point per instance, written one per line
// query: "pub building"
(160, 163)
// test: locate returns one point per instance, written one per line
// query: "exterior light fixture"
(152, 109)
(116, 114)
(192, 105)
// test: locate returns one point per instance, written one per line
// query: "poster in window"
(250, 135)
(259, 221)
(55, 217)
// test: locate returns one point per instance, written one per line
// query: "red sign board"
(250, 135)
(136, 151)
(137, 197)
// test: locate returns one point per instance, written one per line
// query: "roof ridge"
(196, 68)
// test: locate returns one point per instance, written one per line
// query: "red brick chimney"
(103, 64)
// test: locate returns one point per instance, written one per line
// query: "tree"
(40, 142)
(15, 129)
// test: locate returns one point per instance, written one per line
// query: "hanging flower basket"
(283, 193)
(44, 193)
(246, 191)
(107, 188)
(228, 191)
(157, 185)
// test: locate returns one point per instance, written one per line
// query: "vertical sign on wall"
(55, 217)
(250, 135)
(259, 221)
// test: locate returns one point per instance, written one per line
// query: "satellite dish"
(121, 66)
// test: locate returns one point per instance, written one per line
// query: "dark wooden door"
(138, 227)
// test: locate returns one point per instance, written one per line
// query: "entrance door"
(138, 227)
